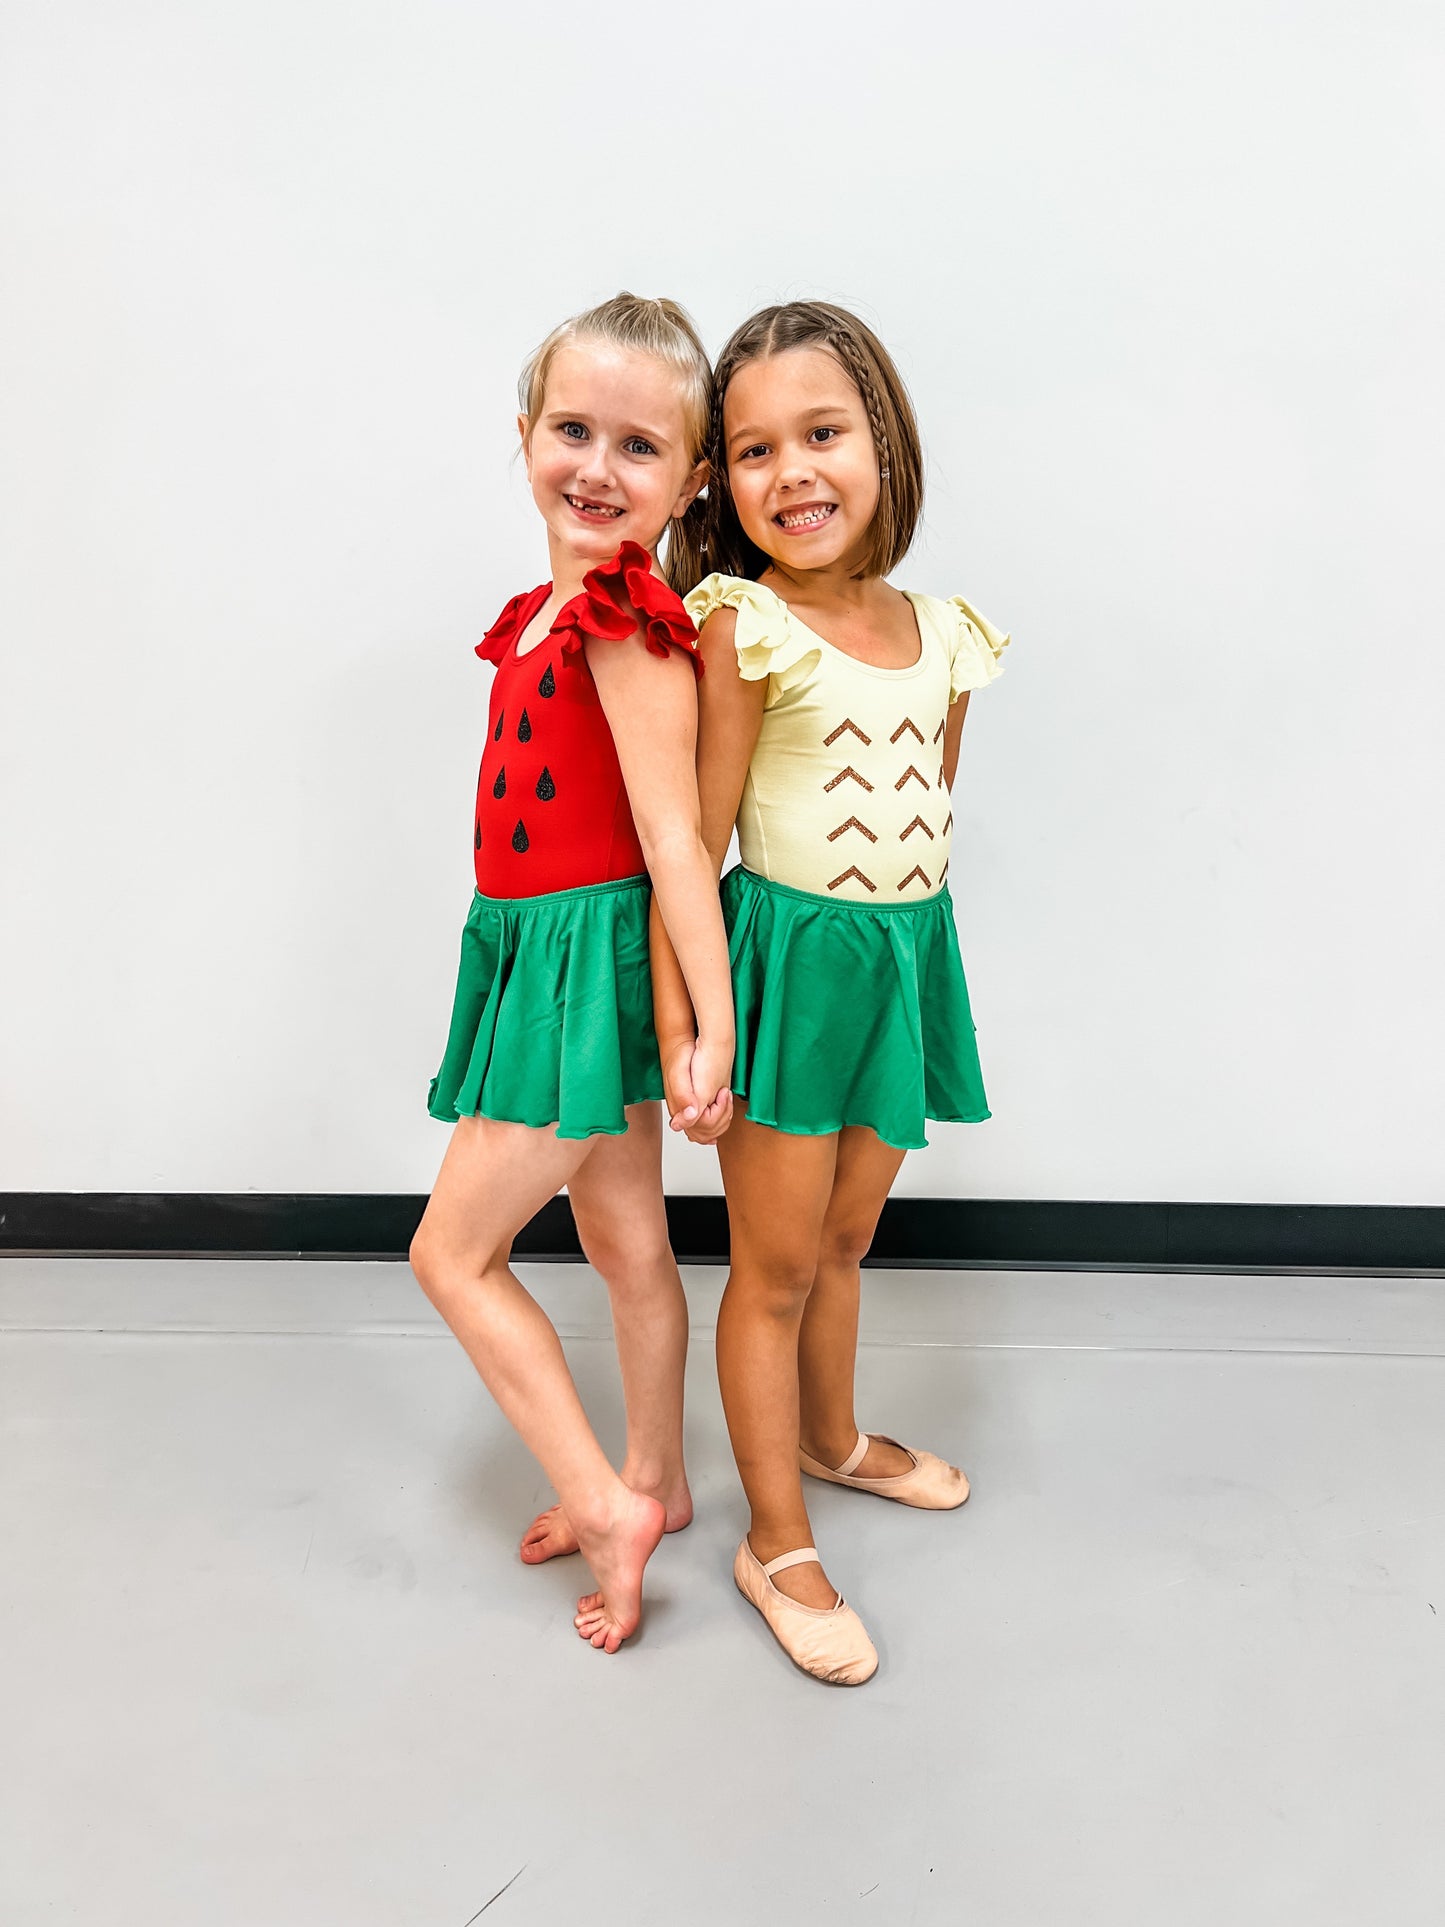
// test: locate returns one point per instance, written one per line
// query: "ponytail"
(685, 561)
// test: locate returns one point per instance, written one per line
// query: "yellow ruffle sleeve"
(975, 657)
(768, 642)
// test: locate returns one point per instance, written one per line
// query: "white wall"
(1167, 283)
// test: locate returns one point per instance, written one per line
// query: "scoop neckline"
(541, 594)
(868, 668)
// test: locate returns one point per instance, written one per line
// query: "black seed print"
(520, 841)
(499, 788)
(497, 732)
(546, 788)
(524, 728)
(477, 841)
(548, 684)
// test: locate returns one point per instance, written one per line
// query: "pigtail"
(709, 538)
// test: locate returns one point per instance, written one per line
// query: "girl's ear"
(691, 489)
(526, 440)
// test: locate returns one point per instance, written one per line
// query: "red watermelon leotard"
(552, 810)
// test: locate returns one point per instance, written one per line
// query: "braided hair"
(710, 535)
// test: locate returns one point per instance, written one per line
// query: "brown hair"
(660, 328)
(710, 535)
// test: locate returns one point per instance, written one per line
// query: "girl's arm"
(651, 709)
(953, 737)
(730, 714)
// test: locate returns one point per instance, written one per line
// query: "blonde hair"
(660, 328)
(710, 536)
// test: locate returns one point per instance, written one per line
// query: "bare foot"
(550, 1535)
(617, 1555)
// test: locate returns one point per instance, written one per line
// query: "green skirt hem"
(550, 1123)
(866, 1123)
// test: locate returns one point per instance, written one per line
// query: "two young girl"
(826, 729)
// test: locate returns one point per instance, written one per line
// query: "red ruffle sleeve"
(514, 618)
(624, 598)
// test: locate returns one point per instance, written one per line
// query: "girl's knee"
(620, 1257)
(424, 1256)
(775, 1284)
(446, 1273)
(847, 1243)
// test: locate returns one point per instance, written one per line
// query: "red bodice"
(552, 810)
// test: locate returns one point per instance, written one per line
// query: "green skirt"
(552, 1019)
(849, 1013)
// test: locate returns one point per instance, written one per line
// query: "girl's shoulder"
(626, 597)
(768, 639)
(772, 642)
(973, 645)
(618, 600)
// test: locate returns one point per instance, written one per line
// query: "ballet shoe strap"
(855, 1458)
(802, 1557)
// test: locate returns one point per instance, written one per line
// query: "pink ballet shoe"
(828, 1642)
(931, 1483)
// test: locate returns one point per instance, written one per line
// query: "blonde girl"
(586, 805)
(831, 715)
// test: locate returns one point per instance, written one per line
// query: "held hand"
(684, 1107)
(710, 1073)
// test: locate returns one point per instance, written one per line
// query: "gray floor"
(269, 1658)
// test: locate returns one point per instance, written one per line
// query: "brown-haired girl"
(586, 805)
(830, 721)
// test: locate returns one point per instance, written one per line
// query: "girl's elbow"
(670, 846)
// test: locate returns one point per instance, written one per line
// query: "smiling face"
(802, 467)
(608, 456)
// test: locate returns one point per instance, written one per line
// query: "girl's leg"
(777, 1189)
(828, 1341)
(496, 1176)
(617, 1203)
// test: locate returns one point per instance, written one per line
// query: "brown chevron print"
(851, 824)
(917, 824)
(949, 824)
(907, 723)
(938, 733)
(917, 776)
(847, 723)
(917, 871)
(943, 878)
(843, 776)
(853, 871)
(942, 784)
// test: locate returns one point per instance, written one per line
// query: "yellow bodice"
(845, 795)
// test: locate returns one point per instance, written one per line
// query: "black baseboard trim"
(924, 1233)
